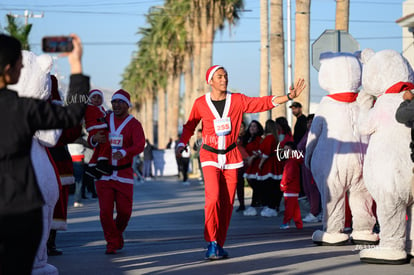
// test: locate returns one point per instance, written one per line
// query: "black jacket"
(20, 119)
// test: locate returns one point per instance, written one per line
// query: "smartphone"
(57, 44)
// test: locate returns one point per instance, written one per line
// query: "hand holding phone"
(57, 44)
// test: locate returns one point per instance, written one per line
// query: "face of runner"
(120, 108)
(219, 81)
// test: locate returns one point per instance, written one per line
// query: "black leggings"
(271, 193)
(20, 236)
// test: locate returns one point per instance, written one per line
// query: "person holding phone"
(222, 113)
(20, 198)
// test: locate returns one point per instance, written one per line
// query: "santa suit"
(95, 122)
(126, 136)
(290, 185)
(251, 171)
(270, 174)
(219, 156)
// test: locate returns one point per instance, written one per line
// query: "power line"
(106, 43)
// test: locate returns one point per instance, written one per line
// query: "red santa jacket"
(127, 136)
(226, 155)
(290, 183)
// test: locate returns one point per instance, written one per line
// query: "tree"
(302, 46)
(264, 55)
(18, 31)
(277, 54)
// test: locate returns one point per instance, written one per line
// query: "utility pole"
(27, 15)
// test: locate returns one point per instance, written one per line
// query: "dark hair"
(283, 123)
(291, 144)
(310, 117)
(260, 131)
(270, 127)
(10, 51)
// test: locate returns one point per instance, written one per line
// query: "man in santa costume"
(221, 112)
(127, 140)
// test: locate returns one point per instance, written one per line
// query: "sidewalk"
(165, 236)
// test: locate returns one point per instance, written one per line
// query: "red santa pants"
(220, 188)
(292, 211)
(114, 193)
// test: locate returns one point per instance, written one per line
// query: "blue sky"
(108, 30)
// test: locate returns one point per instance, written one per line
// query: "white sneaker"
(310, 218)
(251, 211)
(77, 204)
(268, 212)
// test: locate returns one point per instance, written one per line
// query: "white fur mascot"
(35, 82)
(334, 153)
(388, 166)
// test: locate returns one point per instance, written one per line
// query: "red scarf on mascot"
(344, 97)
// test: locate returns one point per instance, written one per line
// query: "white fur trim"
(226, 166)
(122, 97)
(67, 180)
(211, 73)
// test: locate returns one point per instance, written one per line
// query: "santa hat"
(122, 95)
(95, 92)
(211, 71)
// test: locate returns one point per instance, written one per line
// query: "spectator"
(196, 147)
(148, 158)
(241, 145)
(301, 122)
(24, 117)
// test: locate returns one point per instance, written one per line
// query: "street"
(165, 236)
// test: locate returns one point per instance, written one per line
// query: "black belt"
(120, 167)
(219, 151)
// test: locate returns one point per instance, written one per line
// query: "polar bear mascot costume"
(335, 151)
(35, 82)
(388, 166)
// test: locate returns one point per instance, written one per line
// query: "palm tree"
(168, 47)
(302, 58)
(342, 15)
(264, 55)
(18, 31)
(277, 54)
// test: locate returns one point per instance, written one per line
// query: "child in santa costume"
(222, 114)
(95, 122)
(290, 186)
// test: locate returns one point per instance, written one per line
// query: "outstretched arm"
(294, 92)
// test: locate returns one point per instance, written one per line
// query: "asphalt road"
(165, 236)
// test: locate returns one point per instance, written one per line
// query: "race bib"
(222, 126)
(116, 141)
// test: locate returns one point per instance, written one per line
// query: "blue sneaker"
(212, 251)
(222, 253)
(285, 226)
